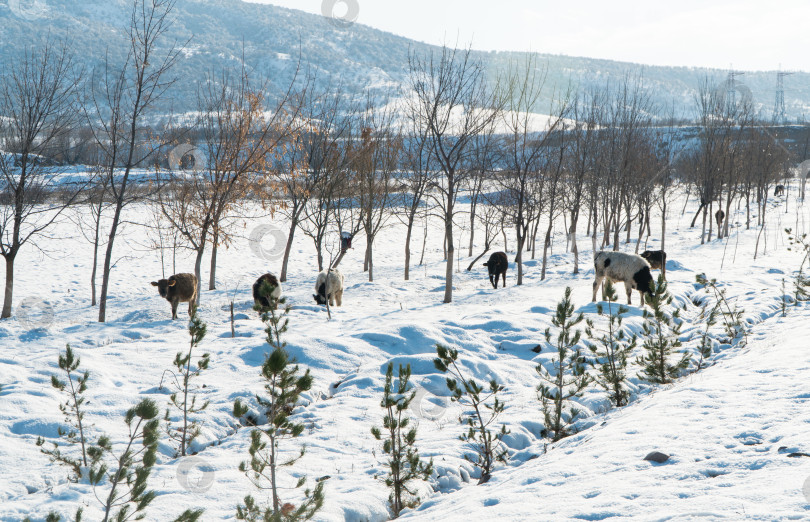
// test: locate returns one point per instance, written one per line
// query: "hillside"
(272, 38)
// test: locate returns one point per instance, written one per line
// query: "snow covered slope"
(216, 34)
(724, 427)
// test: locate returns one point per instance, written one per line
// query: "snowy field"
(729, 428)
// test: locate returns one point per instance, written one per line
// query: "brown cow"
(179, 288)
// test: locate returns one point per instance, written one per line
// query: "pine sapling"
(188, 430)
(709, 316)
(801, 288)
(661, 330)
(487, 443)
(611, 348)
(283, 386)
(801, 283)
(74, 387)
(569, 378)
(275, 316)
(732, 316)
(404, 463)
(128, 496)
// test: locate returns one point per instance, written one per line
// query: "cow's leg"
(629, 290)
(493, 282)
(641, 297)
(191, 307)
(174, 309)
(339, 297)
(596, 282)
(504, 279)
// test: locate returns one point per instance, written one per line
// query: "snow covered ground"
(729, 429)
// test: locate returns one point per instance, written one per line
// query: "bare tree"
(585, 114)
(415, 178)
(376, 165)
(241, 135)
(524, 144)
(119, 99)
(453, 101)
(37, 109)
(325, 146)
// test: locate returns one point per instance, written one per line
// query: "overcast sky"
(750, 34)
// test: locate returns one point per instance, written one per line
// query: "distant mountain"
(271, 39)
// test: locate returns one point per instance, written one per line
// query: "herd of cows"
(618, 267)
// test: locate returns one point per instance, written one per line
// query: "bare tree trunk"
(95, 265)
(287, 249)
(519, 260)
(7, 297)
(197, 270)
(369, 257)
(448, 230)
(424, 244)
(105, 278)
(574, 247)
(546, 244)
(703, 230)
(664, 224)
(472, 230)
(212, 276)
(408, 249)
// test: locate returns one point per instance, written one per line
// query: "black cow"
(779, 190)
(657, 260)
(262, 300)
(497, 265)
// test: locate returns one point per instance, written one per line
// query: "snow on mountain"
(215, 34)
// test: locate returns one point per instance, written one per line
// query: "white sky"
(750, 34)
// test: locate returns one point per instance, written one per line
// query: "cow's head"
(320, 297)
(644, 280)
(163, 286)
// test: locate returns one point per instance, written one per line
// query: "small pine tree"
(801, 288)
(404, 463)
(275, 316)
(284, 387)
(611, 348)
(732, 316)
(661, 331)
(569, 379)
(709, 316)
(188, 430)
(128, 479)
(487, 443)
(74, 387)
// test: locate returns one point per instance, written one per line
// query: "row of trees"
(334, 163)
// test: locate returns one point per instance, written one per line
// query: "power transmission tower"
(779, 112)
(731, 87)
